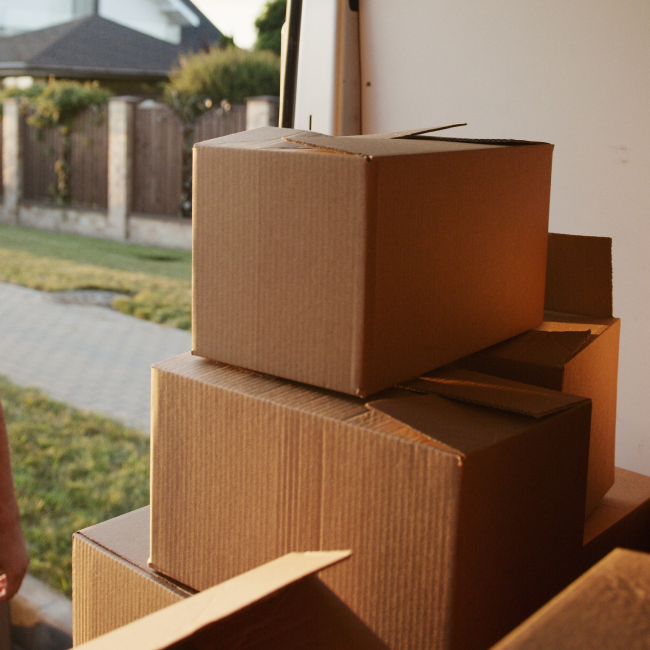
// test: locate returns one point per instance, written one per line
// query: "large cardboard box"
(575, 352)
(111, 582)
(354, 263)
(608, 608)
(621, 519)
(463, 519)
(281, 605)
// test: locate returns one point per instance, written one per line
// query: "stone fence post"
(121, 135)
(12, 160)
(262, 111)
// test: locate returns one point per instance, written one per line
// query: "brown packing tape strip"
(493, 392)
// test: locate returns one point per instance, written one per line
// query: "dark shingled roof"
(92, 47)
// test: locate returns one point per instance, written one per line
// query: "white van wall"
(576, 74)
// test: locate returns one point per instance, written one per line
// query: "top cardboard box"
(354, 263)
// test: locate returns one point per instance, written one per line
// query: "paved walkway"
(91, 357)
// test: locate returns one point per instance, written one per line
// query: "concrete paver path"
(93, 358)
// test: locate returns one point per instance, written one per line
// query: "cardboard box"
(621, 519)
(574, 352)
(354, 263)
(608, 608)
(279, 605)
(111, 582)
(463, 519)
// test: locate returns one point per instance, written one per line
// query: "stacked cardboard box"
(575, 350)
(607, 608)
(328, 274)
(279, 605)
(111, 581)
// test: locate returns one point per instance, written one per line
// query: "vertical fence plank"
(89, 160)
(218, 122)
(157, 160)
(40, 150)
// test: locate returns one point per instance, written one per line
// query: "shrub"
(59, 102)
(206, 79)
(220, 76)
(269, 26)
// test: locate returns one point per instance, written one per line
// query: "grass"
(118, 256)
(151, 288)
(71, 470)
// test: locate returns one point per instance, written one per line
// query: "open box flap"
(493, 392)
(579, 275)
(402, 143)
(177, 622)
(542, 347)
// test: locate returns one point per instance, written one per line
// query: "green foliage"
(269, 26)
(59, 102)
(71, 470)
(226, 41)
(206, 79)
(28, 94)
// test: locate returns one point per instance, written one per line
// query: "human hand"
(13, 559)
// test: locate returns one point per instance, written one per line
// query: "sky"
(234, 17)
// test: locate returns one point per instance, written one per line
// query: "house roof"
(92, 47)
(199, 37)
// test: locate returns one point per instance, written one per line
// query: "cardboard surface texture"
(281, 604)
(354, 263)
(621, 519)
(608, 608)
(111, 582)
(574, 352)
(463, 518)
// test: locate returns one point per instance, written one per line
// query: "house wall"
(25, 15)
(572, 73)
(143, 15)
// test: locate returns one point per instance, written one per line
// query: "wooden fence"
(157, 157)
(88, 161)
(158, 153)
(218, 122)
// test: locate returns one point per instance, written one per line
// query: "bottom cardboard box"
(111, 583)
(461, 496)
(608, 608)
(622, 519)
(281, 604)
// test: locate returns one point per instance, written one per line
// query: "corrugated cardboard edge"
(177, 622)
(493, 392)
(570, 620)
(579, 275)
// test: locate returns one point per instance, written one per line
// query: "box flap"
(375, 146)
(398, 135)
(177, 622)
(126, 536)
(541, 347)
(494, 392)
(579, 275)
(266, 137)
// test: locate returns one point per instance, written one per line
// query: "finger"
(3, 586)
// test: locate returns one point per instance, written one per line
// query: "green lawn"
(71, 470)
(154, 282)
(99, 252)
